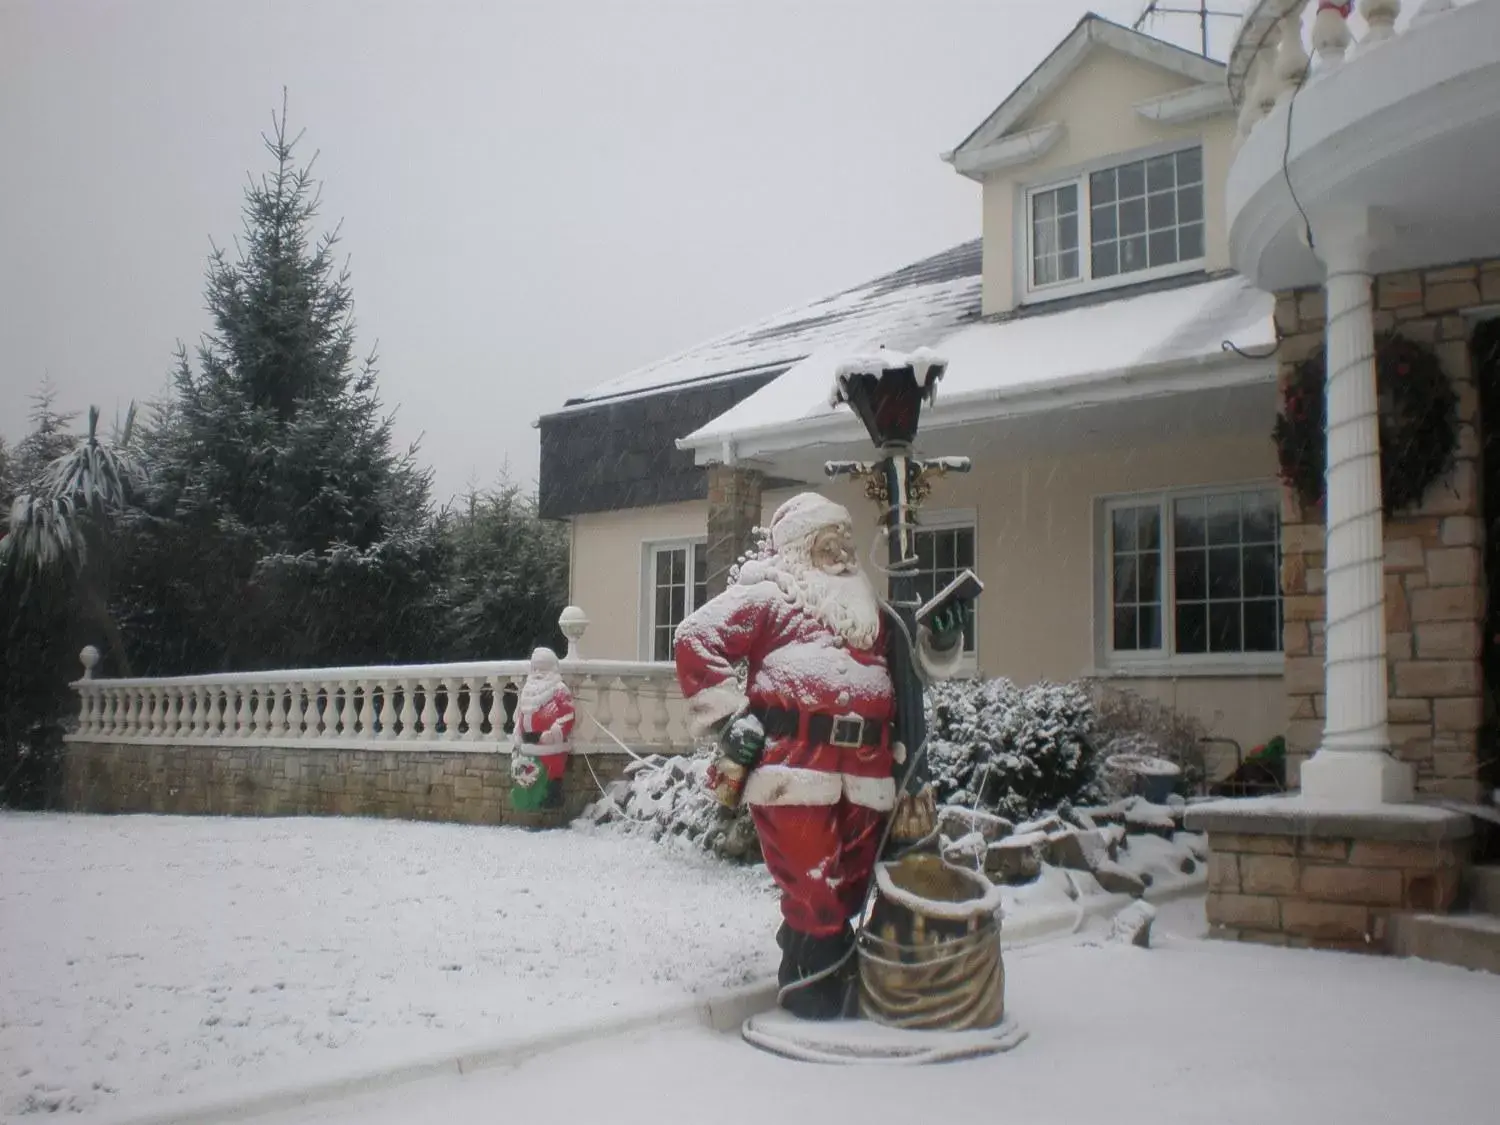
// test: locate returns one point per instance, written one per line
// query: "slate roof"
(930, 296)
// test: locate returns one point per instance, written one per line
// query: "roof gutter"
(1199, 373)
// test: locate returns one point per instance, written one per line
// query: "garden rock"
(1118, 881)
(1133, 925)
(956, 822)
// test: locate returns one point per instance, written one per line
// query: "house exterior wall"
(1097, 107)
(1434, 574)
(1036, 545)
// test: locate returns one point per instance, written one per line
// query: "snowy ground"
(146, 957)
(1191, 1031)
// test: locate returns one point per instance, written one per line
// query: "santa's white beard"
(846, 603)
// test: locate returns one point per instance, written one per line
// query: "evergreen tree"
(282, 528)
(507, 575)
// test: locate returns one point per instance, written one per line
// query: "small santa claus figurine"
(812, 728)
(540, 747)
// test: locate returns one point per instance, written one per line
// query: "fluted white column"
(1354, 766)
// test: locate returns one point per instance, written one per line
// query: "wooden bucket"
(929, 957)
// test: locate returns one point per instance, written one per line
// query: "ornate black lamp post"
(886, 391)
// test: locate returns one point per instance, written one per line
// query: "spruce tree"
(282, 526)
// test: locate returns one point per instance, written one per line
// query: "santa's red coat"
(797, 662)
(552, 722)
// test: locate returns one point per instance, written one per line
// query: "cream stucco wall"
(1096, 104)
(1035, 547)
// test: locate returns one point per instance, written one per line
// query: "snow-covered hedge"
(1017, 752)
(668, 799)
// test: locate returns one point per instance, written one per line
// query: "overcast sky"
(536, 195)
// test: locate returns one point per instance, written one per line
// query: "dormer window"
(1118, 224)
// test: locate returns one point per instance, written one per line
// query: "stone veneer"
(734, 502)
(1434, 574)
(467, 787)
(1325, 880)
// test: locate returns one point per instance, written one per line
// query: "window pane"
(1043, 207)
(1133, 217)
(1190, 204)
(1102, 187)
(1067, 265)
(1262, 632)
(679, 567)
(1126, 638)
(1067, 232)
(1067, 200)
(1132, 179)
(1161, 173)
(1161, 211)
(1148, 528)
(1123, 521)
(1224, 627)
(1224, 572)
(965, 547)
(1149, 571)
(1106, 262)
(679, 603)
(663, 615)
(1149, 627)
(1044, 271)
(1192, 629)
(1127, 585)
(1188, 528)
(944, 542)
(1133, 254)
(1190, 242)
(661, 645)
(700, 577)
(1223, 520)
(663, 567)
(926, 555)
(1190, 166)
(1190, 578)
(1163, 248)
(1261, 579)
(1260, 518)
(1103, 227)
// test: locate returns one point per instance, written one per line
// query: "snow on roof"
(927, 297)
(1035, 351)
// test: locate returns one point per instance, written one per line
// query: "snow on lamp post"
(886, 391)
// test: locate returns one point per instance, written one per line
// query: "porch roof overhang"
(1201, 340)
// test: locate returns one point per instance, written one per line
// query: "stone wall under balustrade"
(1434, 574)
(465, 786)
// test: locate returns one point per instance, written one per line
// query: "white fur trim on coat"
(878, 793)
(712, 704)
(787, 785)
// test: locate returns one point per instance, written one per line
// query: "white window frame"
(1085, 282)
(954, 519)
(1164, 661)
(646, 633)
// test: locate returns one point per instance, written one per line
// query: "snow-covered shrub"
(1131, 723)
(669, 800)
(1016, 752)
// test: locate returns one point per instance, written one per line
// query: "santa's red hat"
(803, 516)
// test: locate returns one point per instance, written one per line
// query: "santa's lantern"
(541, 742)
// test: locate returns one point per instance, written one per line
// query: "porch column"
(733, 512)
(1354, 765)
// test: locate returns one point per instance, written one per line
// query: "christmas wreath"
(1418, 423)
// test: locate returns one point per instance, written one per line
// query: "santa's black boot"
(807, 956)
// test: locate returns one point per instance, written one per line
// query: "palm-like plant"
(64, 521)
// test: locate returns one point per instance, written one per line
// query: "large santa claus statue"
(810, 731)
(540, 744)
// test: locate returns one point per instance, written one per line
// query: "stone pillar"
(1353, 766)
(734, 499)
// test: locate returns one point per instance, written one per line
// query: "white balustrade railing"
(468, 706)
(1284, 44)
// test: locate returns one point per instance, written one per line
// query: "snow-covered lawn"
(1191, 1032)
(146, 957)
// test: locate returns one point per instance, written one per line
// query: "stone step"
(1470, 941)
(1482, 888)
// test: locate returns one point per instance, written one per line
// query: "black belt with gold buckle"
(844, 731)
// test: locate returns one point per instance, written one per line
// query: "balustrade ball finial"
(573, 622)
(90, 657)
